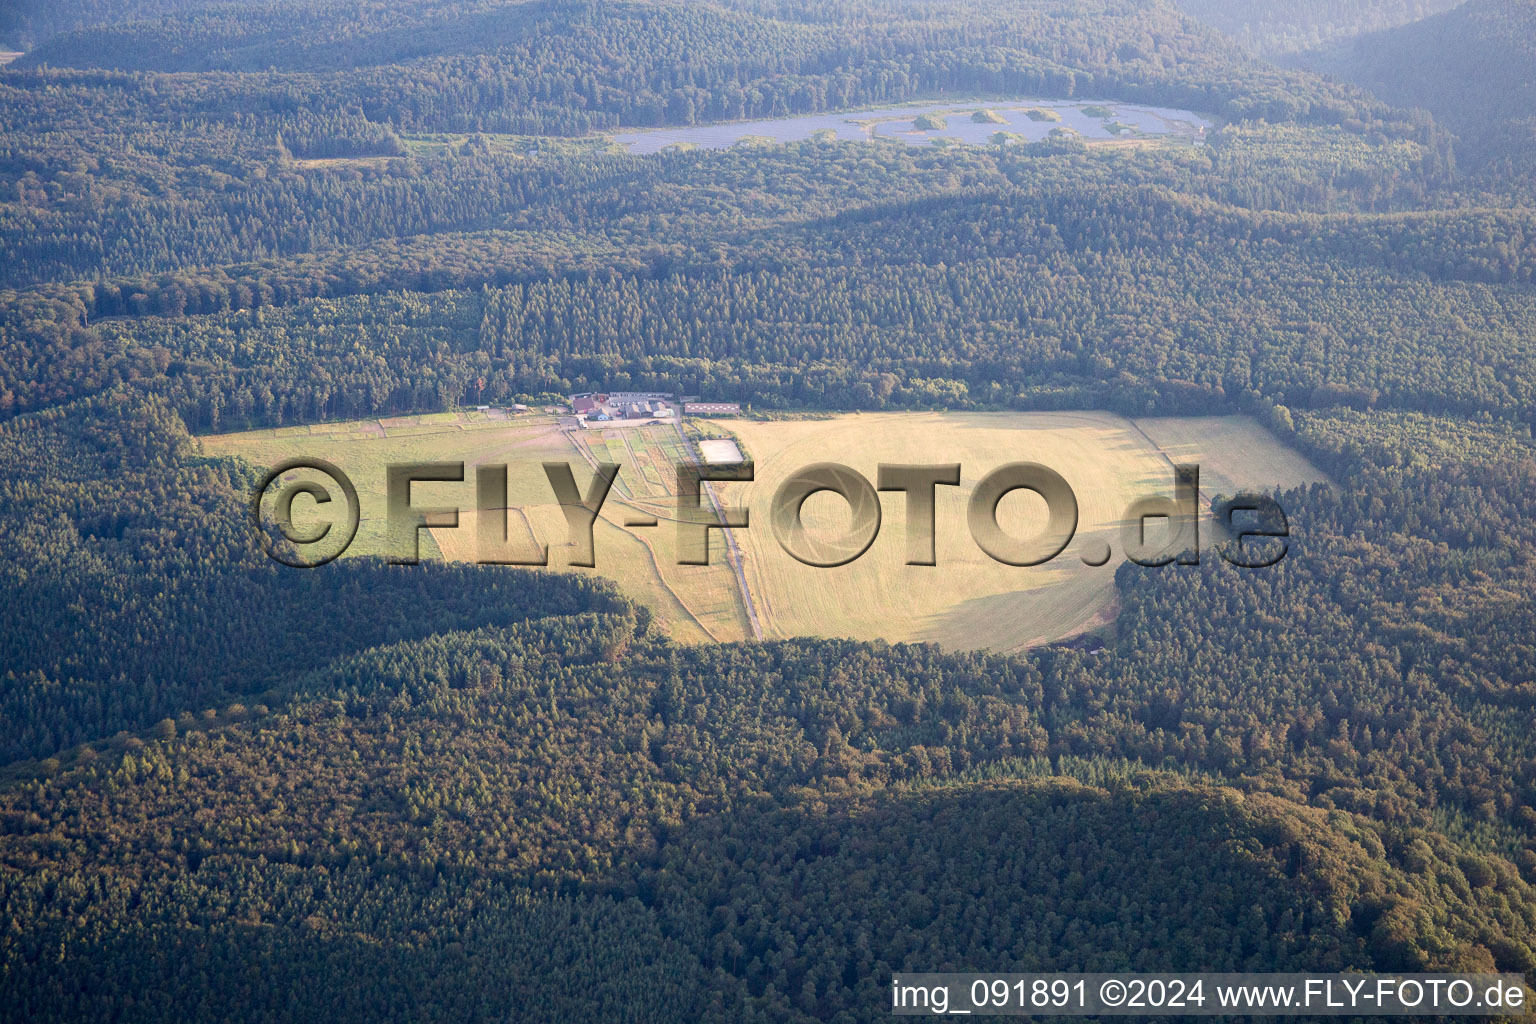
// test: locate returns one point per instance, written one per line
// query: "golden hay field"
(695, 603)
(966, 601)
(1234, 453)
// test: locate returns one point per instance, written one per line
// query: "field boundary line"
(1201, 491)
(732, 554)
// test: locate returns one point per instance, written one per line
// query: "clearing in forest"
(754, 587)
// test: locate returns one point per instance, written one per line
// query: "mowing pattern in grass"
(967, 600)
(695, 603)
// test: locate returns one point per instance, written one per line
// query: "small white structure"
(720, 451)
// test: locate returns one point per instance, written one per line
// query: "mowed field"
(1234, 453)
(695, 603)
(966, 601)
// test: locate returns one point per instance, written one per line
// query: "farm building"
(583, 405)
(712, 408)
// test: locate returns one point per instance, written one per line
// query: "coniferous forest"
(232, 790)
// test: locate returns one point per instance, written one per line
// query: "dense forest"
(1302, 25)
(451, 792)
(1470, 67)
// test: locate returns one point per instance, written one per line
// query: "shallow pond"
(976, 122)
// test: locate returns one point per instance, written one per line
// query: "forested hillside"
(1273, 29)
(1329, 745)
(30, 23)
(372, 792)
(1471, 67)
